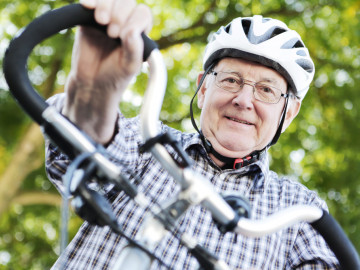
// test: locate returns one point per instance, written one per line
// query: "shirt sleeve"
(56, 162)
(310, 251)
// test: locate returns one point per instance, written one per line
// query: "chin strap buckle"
(241, 162)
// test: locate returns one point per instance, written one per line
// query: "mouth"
(239, 121)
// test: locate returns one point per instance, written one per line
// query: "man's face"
(237, 124)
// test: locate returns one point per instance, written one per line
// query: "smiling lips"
(239, 121)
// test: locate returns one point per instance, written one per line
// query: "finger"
(119, 16)
(102, 12)
(133, 45)
(139, 21)
(91, 4)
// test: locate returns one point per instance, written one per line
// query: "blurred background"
(320, 148)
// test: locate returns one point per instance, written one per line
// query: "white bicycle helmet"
(266, 41)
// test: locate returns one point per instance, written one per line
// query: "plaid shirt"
(298, 246)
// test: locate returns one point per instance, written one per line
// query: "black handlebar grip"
(48, 24)
(338, 242)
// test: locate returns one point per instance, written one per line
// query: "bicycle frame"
(195, 189)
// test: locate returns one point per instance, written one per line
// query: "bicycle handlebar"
(195, 189)
(320, 220)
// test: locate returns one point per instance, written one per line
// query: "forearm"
(93, 108)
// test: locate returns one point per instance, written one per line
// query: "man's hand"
(101, 69)
(96, 59)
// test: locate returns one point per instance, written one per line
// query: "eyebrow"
(263, 79)
(270, 80)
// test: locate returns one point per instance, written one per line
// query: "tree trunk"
(26, 158)
(29, 154)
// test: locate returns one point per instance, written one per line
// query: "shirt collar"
(262, 164)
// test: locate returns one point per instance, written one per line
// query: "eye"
(230, 79)
(265, 89)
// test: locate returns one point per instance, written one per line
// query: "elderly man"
(256, 73)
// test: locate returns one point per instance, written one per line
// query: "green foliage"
(30, 236)
(320, 148)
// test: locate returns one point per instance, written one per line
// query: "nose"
(245, 97)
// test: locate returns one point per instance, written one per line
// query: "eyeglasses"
(234, 83)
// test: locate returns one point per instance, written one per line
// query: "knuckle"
(144, 10)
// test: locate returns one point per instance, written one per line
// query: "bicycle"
(230, 213)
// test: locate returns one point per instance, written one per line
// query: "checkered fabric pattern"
(298, 246)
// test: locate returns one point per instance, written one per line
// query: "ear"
(292, 111)
(201, 93)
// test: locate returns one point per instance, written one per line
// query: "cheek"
(214, 105)
(211, 108)
(206, 111)
(269, 119)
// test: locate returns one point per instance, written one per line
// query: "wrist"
(92, 109)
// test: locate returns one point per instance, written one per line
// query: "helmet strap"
(192, 100)
(233, 163)
(281, 124)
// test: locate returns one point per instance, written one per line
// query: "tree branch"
(31, 198)
(203, 27)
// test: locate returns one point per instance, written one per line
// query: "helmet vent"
(305, 64)
(277, 31)
(292, 43)
(298, 44)
(301, 53)
(228, 29)
(246, 26)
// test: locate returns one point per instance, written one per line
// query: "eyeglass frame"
(253, 84)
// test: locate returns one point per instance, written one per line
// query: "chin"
(237, 142)
(238, 149)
